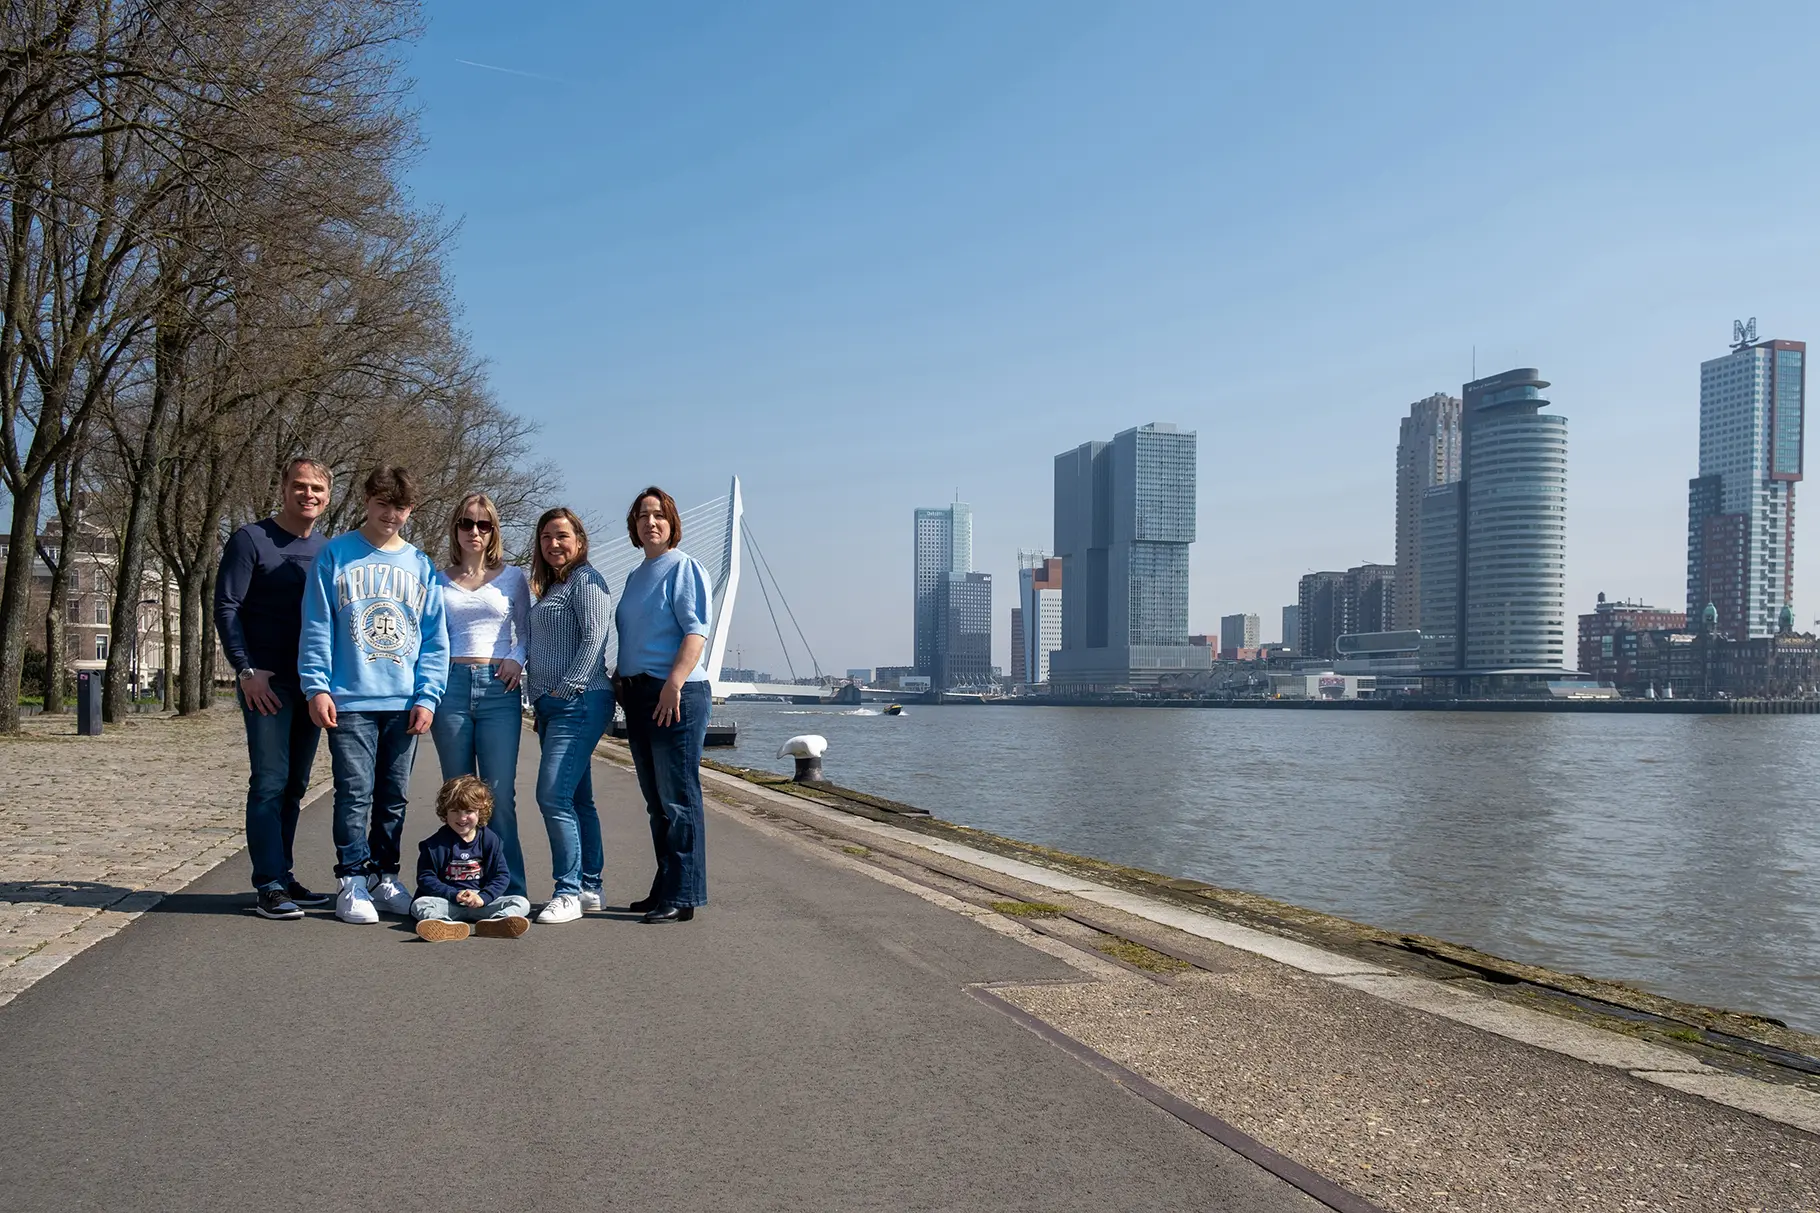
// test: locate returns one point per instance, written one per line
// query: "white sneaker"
(353, 903)
(566, 908)
(593, 899)
(391, 896)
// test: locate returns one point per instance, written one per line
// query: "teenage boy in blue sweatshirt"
(462, 875)
(373, 661)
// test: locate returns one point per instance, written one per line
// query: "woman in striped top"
(571, 700)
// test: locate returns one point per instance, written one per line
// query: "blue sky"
(866, 254)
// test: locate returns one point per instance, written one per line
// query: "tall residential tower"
(1741, 507)
(1124, 517)
(1428, 454)
(1494, 543)
(943, 545)
(1039, 592)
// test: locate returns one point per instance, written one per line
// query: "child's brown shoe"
(441, 930)
(509, 927)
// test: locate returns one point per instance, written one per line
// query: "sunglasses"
(475, 524)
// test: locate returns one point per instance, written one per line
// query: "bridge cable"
(767, 593)
(753, 541)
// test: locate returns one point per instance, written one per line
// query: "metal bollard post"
(807, 750)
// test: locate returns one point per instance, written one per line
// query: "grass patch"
(1139, 956)
(1028, 909)
(857, 850)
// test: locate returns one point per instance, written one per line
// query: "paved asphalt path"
(805, 1043)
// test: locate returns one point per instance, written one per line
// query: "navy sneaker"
(275, 903)
(304, 897)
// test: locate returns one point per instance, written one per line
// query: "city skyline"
(917, 239)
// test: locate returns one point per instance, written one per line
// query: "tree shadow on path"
(81, 894)
(93, 895)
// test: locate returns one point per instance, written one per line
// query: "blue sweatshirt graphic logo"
(374, 636)
(384, 629)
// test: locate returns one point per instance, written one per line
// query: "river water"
(1676, 853)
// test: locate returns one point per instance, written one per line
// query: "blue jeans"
(668, 762)
(281, 748)
(441, 907)
(569, 730)
(371, 753)
(476, 729)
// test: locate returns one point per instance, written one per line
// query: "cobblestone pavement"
(94, 830)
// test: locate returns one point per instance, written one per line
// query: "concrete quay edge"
(1788, 1102)
(1375, 947)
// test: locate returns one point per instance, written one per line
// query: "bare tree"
(210, 267)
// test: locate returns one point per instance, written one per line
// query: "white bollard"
(807, 749)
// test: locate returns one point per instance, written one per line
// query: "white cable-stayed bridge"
(715, 533)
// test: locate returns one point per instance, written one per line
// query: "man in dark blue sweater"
(461, 871)
(258, 615)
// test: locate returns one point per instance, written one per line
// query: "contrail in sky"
(512, 71)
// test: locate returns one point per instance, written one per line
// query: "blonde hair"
(496, 545)
(465, 792)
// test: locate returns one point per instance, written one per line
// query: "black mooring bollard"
(807, 750)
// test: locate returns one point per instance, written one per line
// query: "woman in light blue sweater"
(663, 618)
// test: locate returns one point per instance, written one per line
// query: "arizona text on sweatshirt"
(374, 635)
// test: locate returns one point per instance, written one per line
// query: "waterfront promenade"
(816, 1039)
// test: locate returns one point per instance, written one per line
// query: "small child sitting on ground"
(461, 871)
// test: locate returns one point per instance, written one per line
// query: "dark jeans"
(371, 753)
(280, 747)
(668, 762)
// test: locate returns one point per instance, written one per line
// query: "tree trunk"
(15, 592)
(62, 564)
(168, 631)
(55, 658)
(189, 649)
(129, 579)
(209, 569)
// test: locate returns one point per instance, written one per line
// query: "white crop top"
(491, 621)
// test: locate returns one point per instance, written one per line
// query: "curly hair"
(465, 792)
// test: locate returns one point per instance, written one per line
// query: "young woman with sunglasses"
(477, 724)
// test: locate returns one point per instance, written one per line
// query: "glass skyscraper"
(1428, 454)
(1124, 517)
(953, 604)
(1493, 589)
(1741, 507)
(943, 544)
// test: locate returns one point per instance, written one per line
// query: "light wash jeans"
(569, 730)
(441, 907)
(477, 728)
(371, 755)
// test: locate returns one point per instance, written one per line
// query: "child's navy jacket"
(446, 865)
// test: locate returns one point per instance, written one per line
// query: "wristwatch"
(247, 673)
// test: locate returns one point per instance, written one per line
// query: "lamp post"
(139, 645)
